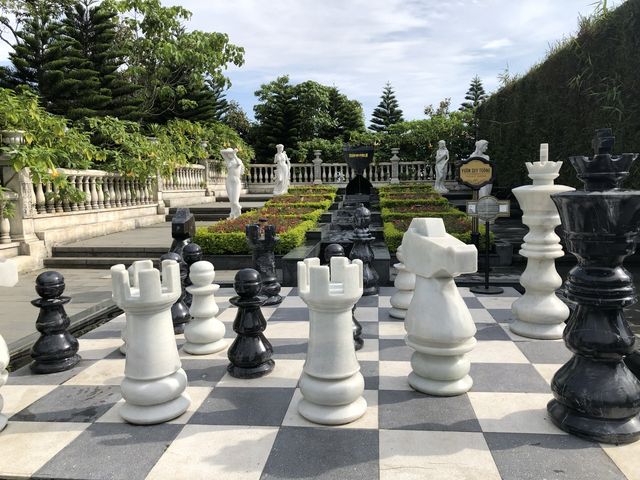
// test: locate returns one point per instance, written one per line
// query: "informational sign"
(358, 155)
(488, 208)
(476, 172)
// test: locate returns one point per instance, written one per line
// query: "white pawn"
(154, 383)
(331, 382)
(204, 333)
(133, 279)
(405, 282)
(4, 375)
(438, 323)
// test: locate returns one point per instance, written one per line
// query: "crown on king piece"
(604, 171)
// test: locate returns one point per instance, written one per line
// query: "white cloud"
(496, 44)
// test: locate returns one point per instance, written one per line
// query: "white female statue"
(235, 169)
(481, 147)
(282, 170)
(442, 159)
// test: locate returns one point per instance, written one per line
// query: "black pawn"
(250, 353)
(179, 310)
(362, 250)
(191, 253)
(336, 250)
(56, 350)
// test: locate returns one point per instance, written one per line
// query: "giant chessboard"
(66, 425)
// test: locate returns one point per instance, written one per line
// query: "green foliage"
(169, 62)
(7, 204)
(387, 112)
(295, 115)
(237, 119)
(215, 243)
(587, 82)
(397, 202)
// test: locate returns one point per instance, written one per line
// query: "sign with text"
(476, 172)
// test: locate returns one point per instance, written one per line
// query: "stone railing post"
(317, 167)
(157, 194)
(395, 162)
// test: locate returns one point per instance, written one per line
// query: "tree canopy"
(387, 112)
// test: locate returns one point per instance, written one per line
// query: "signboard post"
(475, 173)
(488, 209)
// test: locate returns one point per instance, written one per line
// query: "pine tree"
(345, 115)
(387, 112)
(211, 103)
(33, 49)
(475, 95)
(278, 117)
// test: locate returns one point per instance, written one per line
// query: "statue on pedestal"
(442, 159)
(282, 170)
(481, 147)
(235, 169)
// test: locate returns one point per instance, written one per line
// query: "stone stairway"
(219, 210)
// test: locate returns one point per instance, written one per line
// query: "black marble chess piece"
(596, 396)
(179, 310)
(56, 350)
(191, 253)
(262, 240)
(250, 353)
(336, 250)
(183, 229)
(362, 250)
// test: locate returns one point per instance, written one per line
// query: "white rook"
(331, 382)
(204, 333)
(154, 382)
(405, 282)
(438, 323)
(539, 313)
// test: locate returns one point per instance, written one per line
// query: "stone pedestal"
(596, 396)
(539, 312)
(438, 323)
(405, 282)
(331, 382)
(204, 333)
(361, 249)
(395, 166)
(317, 167)
(262, 240)
(154, 383)
(4, 375)
(56, 349)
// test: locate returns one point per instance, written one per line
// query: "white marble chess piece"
(331, 382)
(133, 280)
(8, 272)
(442, 160)
(204, 334)
(539, 312)
(233, 182)
(439, 326)
(154, 382)
(4, 375)
(283, 166)
(405, 283)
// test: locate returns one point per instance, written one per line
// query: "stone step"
(109, 252)
(93, 262)
(205, 217)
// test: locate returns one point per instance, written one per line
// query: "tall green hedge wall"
(591, 81)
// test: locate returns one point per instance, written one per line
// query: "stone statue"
(442, 159)
(282, 170)
(235, 169)
(481, 147)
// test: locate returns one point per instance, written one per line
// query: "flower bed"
(292, 218)
(401, 203)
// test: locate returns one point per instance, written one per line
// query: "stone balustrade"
(189, 177)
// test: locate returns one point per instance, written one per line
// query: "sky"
(428, 50)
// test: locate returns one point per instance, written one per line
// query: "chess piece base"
(332, 415)
(536, 330)
(251, 372)
(55, 366)
(488, 290)
(440, 388)
(274, 300)
(397, 313)
(372, 290)
(152, 414)
(594, 429)
(205, 348)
